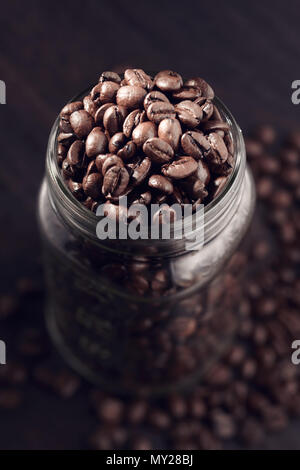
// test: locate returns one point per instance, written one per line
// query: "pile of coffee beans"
(252, 392)
(153, 139)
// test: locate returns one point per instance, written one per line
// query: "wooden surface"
(249, 52)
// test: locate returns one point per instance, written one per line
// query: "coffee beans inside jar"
(162, 136)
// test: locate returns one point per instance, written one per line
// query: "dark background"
(248, 51)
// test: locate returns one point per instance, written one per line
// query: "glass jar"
(143, 316)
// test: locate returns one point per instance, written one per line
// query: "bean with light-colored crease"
(115, 181)
(137, 77)
(113, 119)
(92, 185)
(158, 150)
(167, 80)
(75, 153)
(206, 89)
(104, 92)
(189, 113)
(218, 144)
(99, 114)
(153, 97)
(195, 144)
(140, 171)
(111, 160)
(160, 110)
(181, 168)
(133, 119)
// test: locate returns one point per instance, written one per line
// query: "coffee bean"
(116, 142)
(115, 181)
(113, 119)
(127, 151)
(214, 126)
(65, 126)
(195, 144)
(140, 171)
(153, 97)
(132, 121)
(89, 105)
(82, 123)
(131, 97)
(143, 132)
(181, 168)
(160, 183)
(99, 114)
(92, 185)
(109, 76)
(100, 159)
(218, 185)
(206, 106)
(110, 161)
(205, 88)
(167, 80)
(170, 131)
(144, 198)
(189, 113)
(76, 189)
(66, 139)
(160, 110)
(158, 150)
(203, 173)
(104, 92)
(137, 77)
(96, 142)
(187, 93)
(70, 108)
(217, 144)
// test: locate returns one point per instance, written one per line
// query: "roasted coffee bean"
(132, 121)
(76, 189)
(65, 126)
(205, 88)
(110, 161)
(143, 132)
(82, 123)
(195, 188)
(181, 168)
(131, 97)
(160, 183)
(203, 173)
(104, 92)
(100, 159)
(170, 131)
(89, 105)
(99, 114)
(92, 185)
(96, 143)
(70, 108)
(189, 113)
(214, 126)
(113, 119)
(137, 77)
(140, 171)
(127, 151)
(153, 97)
(158, 150)
(206, 106)
(109, 76)
(66, 139)
(195, 144)
(187, 93)
(217, 144)
(69, 171)
(61, 153)
(116, 142)
(167, 80)
(160, 110)
(115, 181)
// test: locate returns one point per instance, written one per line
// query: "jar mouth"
(84, 221)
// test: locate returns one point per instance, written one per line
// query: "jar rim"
(85, 221)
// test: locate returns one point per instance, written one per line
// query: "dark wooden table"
(49, 51)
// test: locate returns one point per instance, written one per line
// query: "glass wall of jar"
(143, 316)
